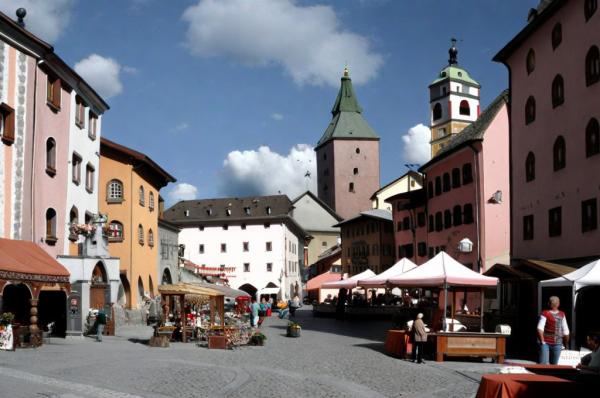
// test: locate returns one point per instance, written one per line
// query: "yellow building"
(128, 193)
(410, 181)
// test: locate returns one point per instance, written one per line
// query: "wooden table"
(397, 343)
(465, 344)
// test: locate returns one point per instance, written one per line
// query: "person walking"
(553, 332)
(100, 323)
(254, 308)
(419, 332)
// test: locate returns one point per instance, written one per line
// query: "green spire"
(347, 121)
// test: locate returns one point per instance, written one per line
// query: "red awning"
(316, 282)
(25, 260)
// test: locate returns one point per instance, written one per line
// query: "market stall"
(349, 283)
(382, 279)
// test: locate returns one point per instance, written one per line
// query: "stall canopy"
(588, 275)
(188, 289)
(442, 270)
(349, 283)
(381, 280)
(226, 290)
(317, 282)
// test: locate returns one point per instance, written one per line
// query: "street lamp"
(465, 246)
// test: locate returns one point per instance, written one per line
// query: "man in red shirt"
(553, 332)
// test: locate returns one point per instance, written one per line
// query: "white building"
(254, 235)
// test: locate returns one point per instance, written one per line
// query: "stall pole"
(444, 323)
(183, 318)
(481, 312)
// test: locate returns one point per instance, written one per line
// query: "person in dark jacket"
(419, 332)
(100, 323)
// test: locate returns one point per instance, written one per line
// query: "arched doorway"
(124, 296)
(140, 288)
(248, 288)
(16, 299)
(166, 277)
(52, 308)
(150, 286)
(98, 287)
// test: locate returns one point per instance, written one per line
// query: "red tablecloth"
(527, 385)
(397, 343)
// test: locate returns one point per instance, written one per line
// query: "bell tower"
(453, 102)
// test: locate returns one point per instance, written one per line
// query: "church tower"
(453, 101)
(347, 156)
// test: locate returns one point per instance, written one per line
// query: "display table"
(465, 344)
(397, 343)
(531, 385)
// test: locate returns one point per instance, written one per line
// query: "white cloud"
(264, 172)
(416, 144)
(183, 191)
(180, 128)
(276, 116)
(103, 74)
(130, 70)
(47, 19)
(307, 41)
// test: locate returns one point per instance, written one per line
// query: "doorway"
(16, 299)
(52, 308)
(98, 287)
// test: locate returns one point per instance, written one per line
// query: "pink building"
(462, 201)
(554, 66)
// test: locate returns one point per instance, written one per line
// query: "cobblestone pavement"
(331, 359)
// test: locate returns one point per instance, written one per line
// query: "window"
(437, 111)
(430, 253)
(431, 225)
(324, 244)
(92, 126)
(351, 187)
(246, 246)
(457, 215)
(150, 238)
(223, 247)
(406, 223)
(115, 231)
(589, 8)
(592, 138)
(79, 112)
(592, 66)
(89, 177)
(530, 110)
(464, 108)
(7, 124)
(467, 173)
(140, 234)
(269, 246)
(76, 168)
(438, 186)
(421, 219)
(53, 92)
(555, 222)
(528, 227)
(151, 201)
(399, 226)
(589, 215)
(407, 251)
(468, 214)
(51, 226)
(269, 267)
(446, 181)
(456, 178)
(530, 64)
(439, 225)
(558, 91)
(51, 156)
(447, 219)
(201, 248)
(73, 220)
(422, 249)
(142, 196)
(556, 35)
(355, 171)
(357, 151)
(114, 193)
(530, 167)
(209, 211)
(246, 267)
(430, 189)
(268, 209)
(559, 153)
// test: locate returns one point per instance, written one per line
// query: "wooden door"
(97, 296)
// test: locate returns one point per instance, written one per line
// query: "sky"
(230, 96)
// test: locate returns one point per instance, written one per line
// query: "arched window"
(142, 196)
(589, 8)
(467, 173)
(556, 35)
(114, 192)
(464, 108)
(592, 66)
(530, 110)
(447, 219)
(73, 220)
(456, 177)
(558, 91)
(446, 182)
(430, 189)
(559, 153)
(150, 238)
(530, 167)
(140, 234)
(99, 274)
(51, 226)
(592, 138)
(115, 231)
(468, 214)
(51, 156)
(151, 201)
(437, 111)
(457, 215)
(530, 63)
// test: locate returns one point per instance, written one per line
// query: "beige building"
(411, 181)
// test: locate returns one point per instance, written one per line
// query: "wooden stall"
(469, 344)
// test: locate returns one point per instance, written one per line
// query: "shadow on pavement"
(139, 341)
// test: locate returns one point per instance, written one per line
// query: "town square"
(264, 198)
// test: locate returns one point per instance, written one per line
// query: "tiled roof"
(380, 214)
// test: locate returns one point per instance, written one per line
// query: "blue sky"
(191, 81)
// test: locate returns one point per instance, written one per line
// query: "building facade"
(347, 156)
(254, 235)
(129, 190)
(168, 260)
(554, 67)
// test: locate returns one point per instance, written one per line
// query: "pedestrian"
(419, 337)
(591, 362)
(340, 307)
(553, 332)
(100, 323)
(254, 308)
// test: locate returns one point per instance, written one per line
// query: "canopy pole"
(481, 312)
(444, 323)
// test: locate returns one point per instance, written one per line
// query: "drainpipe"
(33, 213)
(477, 201)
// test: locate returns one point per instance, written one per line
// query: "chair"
(46, 334)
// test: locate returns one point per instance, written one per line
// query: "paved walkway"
(331, 359)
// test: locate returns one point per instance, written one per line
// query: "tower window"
(51, 156)
(464, 108)
(592, 138)
(592, 66)
(556, 36)
(589, 8)
(357, 150)
(589, 215)
(437, 111)
(530, 167)
(530, 110)
(351, 187)
(555, 221)
(558, 91)
(530, 63)
(559, 153)
(355, 171)
(51, 226)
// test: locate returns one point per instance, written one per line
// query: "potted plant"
(258, 339)
(293, 329)
(6, 319)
